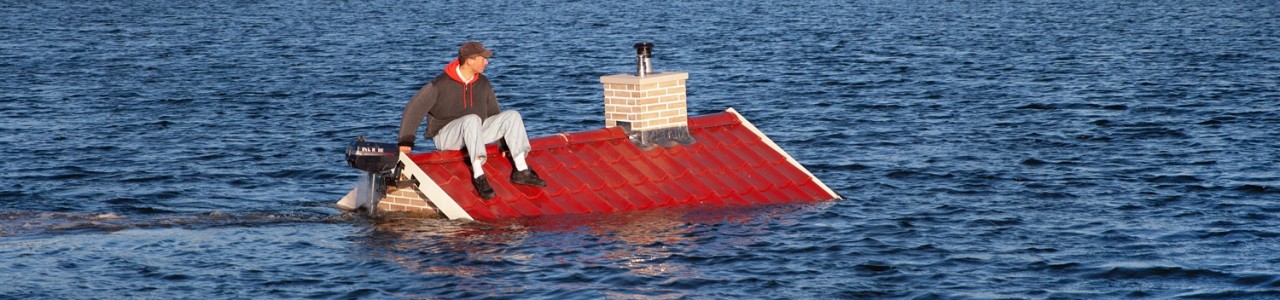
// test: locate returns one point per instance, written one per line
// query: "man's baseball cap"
(473, 48)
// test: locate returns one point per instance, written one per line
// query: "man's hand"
(405, 149)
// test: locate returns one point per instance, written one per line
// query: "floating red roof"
(600, 171)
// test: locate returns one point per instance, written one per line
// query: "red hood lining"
(452, 70)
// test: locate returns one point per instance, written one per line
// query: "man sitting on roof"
(462, 112)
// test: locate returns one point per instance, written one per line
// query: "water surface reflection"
(649, 254)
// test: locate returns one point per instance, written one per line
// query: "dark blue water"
(986, 149)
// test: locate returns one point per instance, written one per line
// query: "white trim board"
(434, 193)
(793, 161)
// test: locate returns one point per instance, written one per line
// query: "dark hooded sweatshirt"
(445, 99)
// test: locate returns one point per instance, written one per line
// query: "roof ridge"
(723, 118)
(564, 139)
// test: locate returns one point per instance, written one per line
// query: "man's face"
(478, 63)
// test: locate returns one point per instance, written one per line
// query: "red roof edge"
(541, 143)
(548, 142)
(565, 139)
(597, 135)
(712, 120)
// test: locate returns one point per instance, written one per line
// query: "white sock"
(476, 170)
(519, 161)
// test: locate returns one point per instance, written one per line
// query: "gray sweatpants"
(473, 133)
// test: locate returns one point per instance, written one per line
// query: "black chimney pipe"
(644, 63)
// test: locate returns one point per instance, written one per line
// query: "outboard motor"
(372, 157)
(381, 164)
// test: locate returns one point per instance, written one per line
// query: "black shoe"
(482, 187)
(527, 177)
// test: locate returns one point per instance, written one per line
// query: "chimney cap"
(644, 48)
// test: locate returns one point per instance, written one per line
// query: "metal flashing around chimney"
(662, 137)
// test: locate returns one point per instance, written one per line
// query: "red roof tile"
(600, 171)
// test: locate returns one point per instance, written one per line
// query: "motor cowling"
(372, 157)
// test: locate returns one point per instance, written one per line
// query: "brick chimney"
(650, 107)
